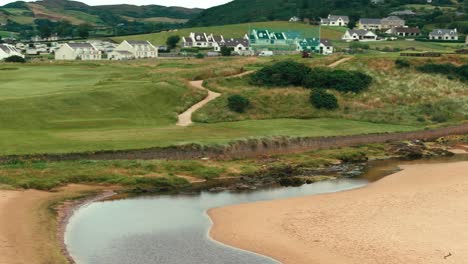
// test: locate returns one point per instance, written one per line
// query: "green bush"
(452, 71)
(400, 64)
(321, 99)
(238, 103)
(225, 51)
(340, 80)
(199, 56)
(172, 41)
(15, 59)
(283, 73)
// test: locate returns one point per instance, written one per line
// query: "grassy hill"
(128, 105)
(79, 13)
(233, 31)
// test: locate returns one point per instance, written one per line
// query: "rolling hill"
(78, 13)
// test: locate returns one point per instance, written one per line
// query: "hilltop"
(22, 15)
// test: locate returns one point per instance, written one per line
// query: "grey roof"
(200, 37)
(393, 18)
(442, 32)
(217, 38)
(326, 42)
(336, 17)
(188, 39)
(4, 48)
(236, 41)
(138, 42)
(371, 21)
(407, 30)
(124, 52)
(359, 32)
(80, 45)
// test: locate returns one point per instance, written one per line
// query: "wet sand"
(28, 227)
(418, 215)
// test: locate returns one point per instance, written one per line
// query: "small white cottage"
(78, 51)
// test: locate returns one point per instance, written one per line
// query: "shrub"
(452, 71)
(15, 59)
(400, 64)
(321, 99)
(225, 51)
(238, 103)
(172, 41)
(283, 73)
(199, 56)
(340, 80)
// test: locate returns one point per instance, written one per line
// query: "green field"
(70, 107)
(232, 31)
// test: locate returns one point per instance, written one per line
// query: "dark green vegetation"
(238, 103)
(401, 63)
(242, 11)
(172, 41)
(321, 99)
(450, 70)
(21, 17)
(15, 59)
(290, 73)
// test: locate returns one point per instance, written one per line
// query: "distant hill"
(243, 11)
(78, 13)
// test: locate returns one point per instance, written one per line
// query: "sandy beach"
(28, 228)
(418, 215)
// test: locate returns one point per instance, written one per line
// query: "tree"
(172, 42)
(321, 99)
(284, 73)
(83, 30)
(225, 51)
(238, 103)
(16, 59)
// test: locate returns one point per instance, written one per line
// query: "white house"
(444, 34)
(325, 47)
(239, 46)
(294, 19)
(8, 51)
(359, 35)
(120, 55)
(202, 40)
(333, 20)
(139, 48)
(78, 51)
(370, 23)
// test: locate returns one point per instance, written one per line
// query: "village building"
(201, 40)
(78, 51)
(239, 46)
(140, 49)
(359, 35)
(333, 20)
(315, 45)
(325, 47)
(404, 31)
(7, 51)
(294, 19)
(392, 21)
(444, 34)
(370, 23)
(120, 55)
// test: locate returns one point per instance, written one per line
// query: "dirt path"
(185, 119)
(338, 62)
(28, 228)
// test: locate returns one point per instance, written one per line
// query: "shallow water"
(174, 229)
(169, 229)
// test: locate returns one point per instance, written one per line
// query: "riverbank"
(414, 216)
(29, 224)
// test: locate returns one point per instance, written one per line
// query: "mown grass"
(398, 96)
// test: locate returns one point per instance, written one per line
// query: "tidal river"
(174, 229)
(169, 229)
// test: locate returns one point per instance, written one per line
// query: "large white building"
(8, 51)
(140, 49)
(359, 35)
(78, 51)
(338, 21)
(444, 34)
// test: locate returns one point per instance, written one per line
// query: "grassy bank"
(398, 96)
